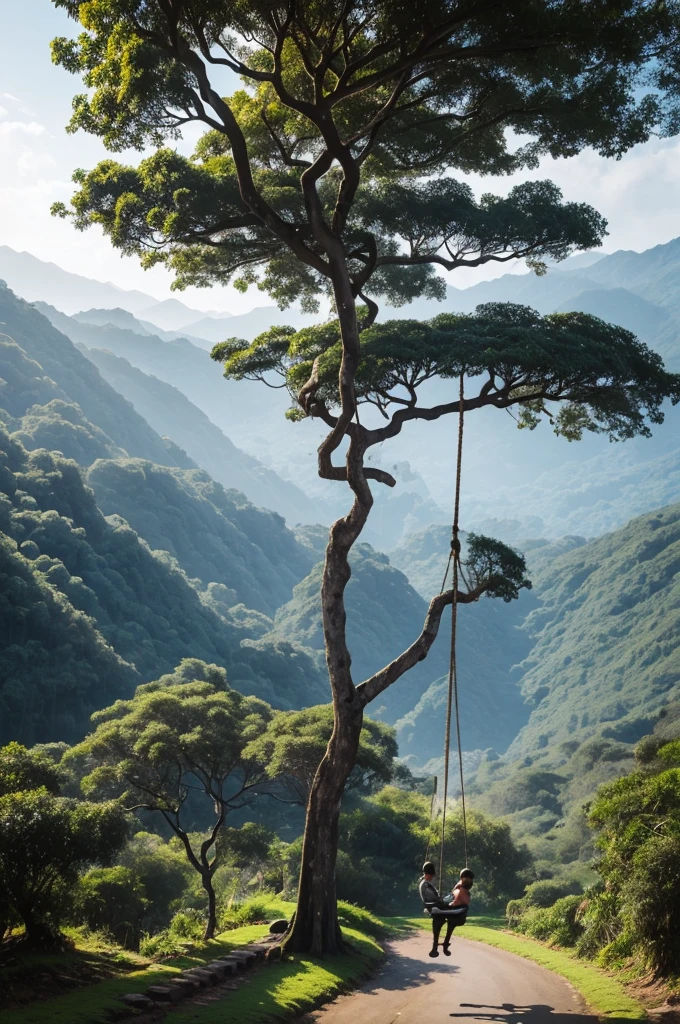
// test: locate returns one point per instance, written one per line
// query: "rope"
(452, 703)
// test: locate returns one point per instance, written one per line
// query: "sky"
(639, 194)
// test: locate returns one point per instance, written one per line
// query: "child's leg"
(437, 922)
(450, 925)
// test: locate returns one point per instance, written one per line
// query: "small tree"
(328, 175)
(46, 841)
(295, 741)
(184, 734)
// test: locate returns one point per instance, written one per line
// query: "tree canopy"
(295, 741)
(184, 733)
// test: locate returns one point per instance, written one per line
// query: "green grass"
(604, 994)
(93, 1004)
(289, 987)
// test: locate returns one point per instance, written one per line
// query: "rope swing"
(452, 704)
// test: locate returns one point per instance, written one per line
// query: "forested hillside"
(217, 536)
(596, 644)
(169, 412)
(142, 604)
(606, 635)
(48, 366)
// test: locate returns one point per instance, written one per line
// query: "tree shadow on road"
(412, 974)
(538, 1013)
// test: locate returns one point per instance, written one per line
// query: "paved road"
(476, 983)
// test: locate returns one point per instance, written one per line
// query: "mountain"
(35, 279)
(139, 603)
(171, 413)
(247, 325)
(606, 636)
(636, 290)
(38, 364)
(116, 317)
(236, 408)
(384, 615)
(216, 536)
(171, 314)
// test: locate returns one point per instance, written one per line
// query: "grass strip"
(604, 994)
(284, 989)
(93, 1004)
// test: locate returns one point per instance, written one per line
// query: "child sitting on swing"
(452, 910)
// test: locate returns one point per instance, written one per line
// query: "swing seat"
(457, 912)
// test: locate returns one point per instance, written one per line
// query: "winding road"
(476, 983)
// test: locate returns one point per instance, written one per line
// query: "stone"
(242, 954)
(137, 1001)
(164, 994)
(187, 986)
(278, 927)
(258, 948)
(205, 977)
(229, 966)
(216, 967)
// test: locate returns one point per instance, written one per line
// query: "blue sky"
(639, 195)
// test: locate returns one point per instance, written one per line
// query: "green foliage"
(112, 900)
(383, 839)
(215, 534)
(547, 891)
(87, 604)
(606, 655)
(181, 736)
(161, 872)
(295, 741)
(182, 727)
(615, 382)
(22, 769)
(632, 911)
(45, 841)
(559, 924)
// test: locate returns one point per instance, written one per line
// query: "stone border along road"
(204, 983)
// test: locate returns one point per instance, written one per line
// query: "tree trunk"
(315, 929)
(211, 923)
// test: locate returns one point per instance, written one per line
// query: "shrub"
(258, 909)
(547, 891)
(112, 900)
(559, 925)
(650, 898)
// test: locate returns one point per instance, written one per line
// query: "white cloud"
(8, 128)
(33, 165)
(8, 96)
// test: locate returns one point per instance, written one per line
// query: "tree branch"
(419, 649)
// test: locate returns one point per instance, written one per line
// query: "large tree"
(331, 173)
(183, 735)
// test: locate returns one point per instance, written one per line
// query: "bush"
(258, 909)
(600, 920)
(546, 892)
(113, 901)
(650, 899)
(559, 925)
